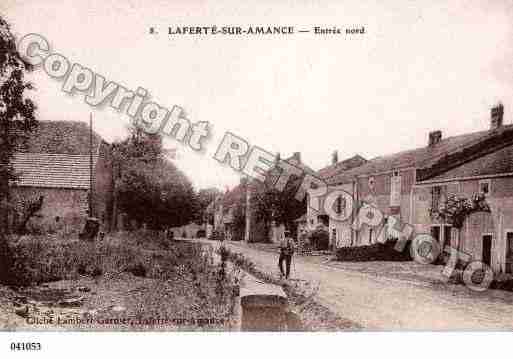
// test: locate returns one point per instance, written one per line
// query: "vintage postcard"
(275, 166)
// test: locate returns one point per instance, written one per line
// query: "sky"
(420, 66)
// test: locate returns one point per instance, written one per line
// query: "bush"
(319, 239)
(137, 269)
(373, 252)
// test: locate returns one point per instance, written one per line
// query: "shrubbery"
(319, 239)
(373, 252)
(38, 259)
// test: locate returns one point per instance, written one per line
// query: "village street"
(381, 302)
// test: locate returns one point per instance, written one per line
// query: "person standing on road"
(286, 251)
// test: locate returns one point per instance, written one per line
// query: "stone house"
(413, 185)
(55, 164)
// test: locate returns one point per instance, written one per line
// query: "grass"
(179, 277)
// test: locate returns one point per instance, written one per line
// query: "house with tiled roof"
(418, 186)
(336, 167)
(56, 166)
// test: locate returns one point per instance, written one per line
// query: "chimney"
(297, 156)
(497, 114)
(334, 157)
(434, 137)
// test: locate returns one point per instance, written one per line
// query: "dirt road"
(383, 303)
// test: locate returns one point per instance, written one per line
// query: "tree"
(149, 188)
(281, 207)
(16, 122)
(16, 111)
(204, 197)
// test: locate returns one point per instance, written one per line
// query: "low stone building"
(55, 167)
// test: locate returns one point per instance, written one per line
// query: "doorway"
(509, 252)
(487, 249)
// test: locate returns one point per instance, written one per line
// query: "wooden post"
(91, 184)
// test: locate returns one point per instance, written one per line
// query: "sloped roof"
(347, 164)
(420, 157)
(298, 163)
(70, 137)
(493, 163)
(51, 170)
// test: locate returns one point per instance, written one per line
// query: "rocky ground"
(124, 302)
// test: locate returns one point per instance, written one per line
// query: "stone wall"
(62, 210)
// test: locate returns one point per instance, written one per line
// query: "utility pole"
(91, 214)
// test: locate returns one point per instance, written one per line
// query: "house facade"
(316, 217)
(417, 186)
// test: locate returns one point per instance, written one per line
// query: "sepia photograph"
(274, 168)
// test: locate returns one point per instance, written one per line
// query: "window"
(395, 173)
(372, 182)
(436, 193)
(334, 234)
(484, 187)
(340, 205)
(509, 239)
(447, 235)
(509, 252)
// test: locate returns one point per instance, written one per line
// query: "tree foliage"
(149, 188)
(204, 198)
(281, 207)
(16, 121)
(16, 111)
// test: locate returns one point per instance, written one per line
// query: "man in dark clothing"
(286, 252)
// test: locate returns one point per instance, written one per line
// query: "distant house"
(56, 165)
(228, 209)
(238, 205)
(414, 185)
(316, 218)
